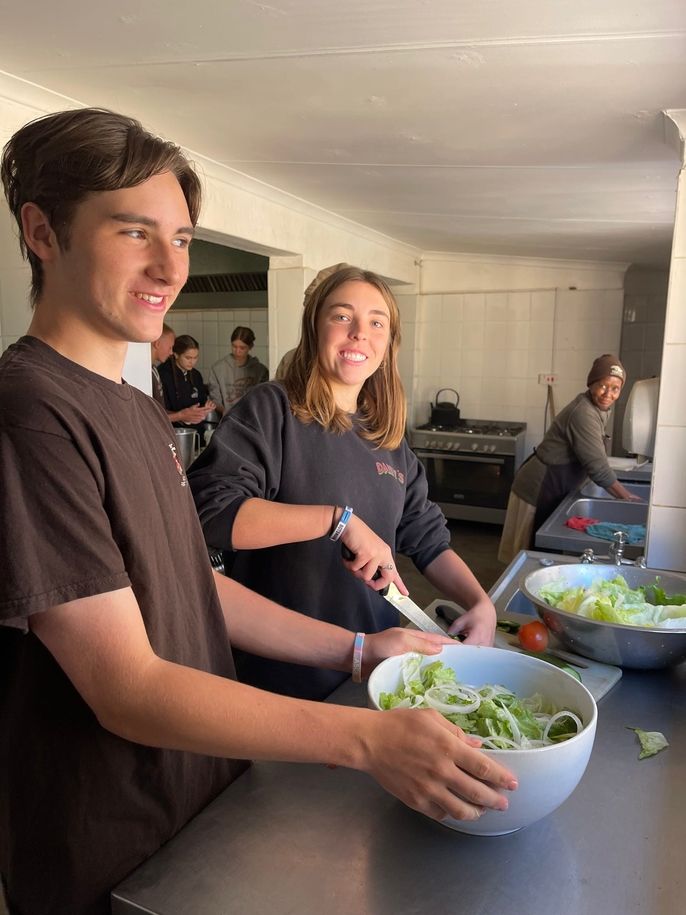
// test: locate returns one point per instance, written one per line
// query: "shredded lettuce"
(651, 742)
(495, 714)
(613, 601)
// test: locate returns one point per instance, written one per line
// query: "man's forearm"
(179, 708)
(262, 627)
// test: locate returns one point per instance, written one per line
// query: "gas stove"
(470, 466)
(481, 435)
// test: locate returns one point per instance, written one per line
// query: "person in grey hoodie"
(231, 377)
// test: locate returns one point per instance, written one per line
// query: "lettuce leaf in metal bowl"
(613, 601)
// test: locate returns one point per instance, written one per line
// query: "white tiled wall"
(491, 347)
(213, 329)
(666, 548)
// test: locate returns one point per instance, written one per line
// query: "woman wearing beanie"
(572, 449)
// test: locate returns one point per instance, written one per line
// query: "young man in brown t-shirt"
(119, 709)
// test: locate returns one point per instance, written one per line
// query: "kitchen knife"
(411, 611)
(407, 607)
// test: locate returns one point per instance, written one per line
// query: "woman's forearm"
(260, 523)
(453, 578)
(619, 491)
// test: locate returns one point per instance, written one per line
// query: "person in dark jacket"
(574, 447)
(183, 386)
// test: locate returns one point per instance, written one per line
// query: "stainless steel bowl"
(611, 643)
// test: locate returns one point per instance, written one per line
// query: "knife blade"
(411, 611)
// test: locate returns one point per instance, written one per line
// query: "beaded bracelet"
(357, 657)
(342, 523)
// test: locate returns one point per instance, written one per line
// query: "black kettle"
(445, 413)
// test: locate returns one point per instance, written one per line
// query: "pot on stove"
(445, 413)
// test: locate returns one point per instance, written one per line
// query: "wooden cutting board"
(597, 678)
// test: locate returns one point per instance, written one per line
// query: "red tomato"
(533, 636)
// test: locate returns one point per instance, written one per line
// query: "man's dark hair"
(56, 161)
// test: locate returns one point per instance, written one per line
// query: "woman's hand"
(477, 623)
(372, 554)
(381, 645)
(619, 491)
(432, 766)
(209, 406)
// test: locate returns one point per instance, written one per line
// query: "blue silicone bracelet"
(342, 523)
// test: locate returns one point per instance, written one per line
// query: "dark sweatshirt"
(260, 450)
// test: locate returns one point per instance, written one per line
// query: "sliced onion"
(556, 716)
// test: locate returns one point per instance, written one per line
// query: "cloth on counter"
(579, 523)
(635, 533)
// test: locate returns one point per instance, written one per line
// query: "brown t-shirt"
(92, 499)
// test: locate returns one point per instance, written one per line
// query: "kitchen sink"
(554, 534)
(613, 510)
(593, 491)
(519, 603)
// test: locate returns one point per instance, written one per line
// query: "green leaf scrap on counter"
(651, 742)
(556, 662)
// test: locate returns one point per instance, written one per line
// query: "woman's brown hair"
(244, 334)
(381, 402)
(57, 160)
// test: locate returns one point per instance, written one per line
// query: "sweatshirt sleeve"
(168, 390)
(586, 432)
(243, 461)
(422, 533)
(213, 387)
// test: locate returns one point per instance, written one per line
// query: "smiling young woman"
(296, 466)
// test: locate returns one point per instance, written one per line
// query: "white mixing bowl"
(546, 775)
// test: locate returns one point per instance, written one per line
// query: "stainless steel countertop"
(306, 839)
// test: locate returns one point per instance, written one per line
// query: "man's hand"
(381, 645)
(430, 765)
(193, 415)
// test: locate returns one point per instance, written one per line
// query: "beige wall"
(486, 328)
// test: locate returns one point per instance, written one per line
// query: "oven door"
(472, 487)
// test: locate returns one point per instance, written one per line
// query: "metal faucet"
(616, 554)
(617, 547)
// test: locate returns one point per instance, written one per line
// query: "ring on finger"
(389, 566)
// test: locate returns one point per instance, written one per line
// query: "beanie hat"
(606, 366)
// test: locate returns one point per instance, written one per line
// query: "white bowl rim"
(526, 658)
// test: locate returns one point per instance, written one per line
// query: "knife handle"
(348, 555)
